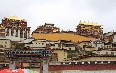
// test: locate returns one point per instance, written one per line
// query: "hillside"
(61, 36)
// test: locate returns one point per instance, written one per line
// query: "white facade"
(114, 39)
(15, 36)
(39, 43)
(71, 47)
(35, 44)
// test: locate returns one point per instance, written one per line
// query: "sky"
(65, 14)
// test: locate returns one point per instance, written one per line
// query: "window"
(106, 52)
(25, 34)
(12, 31)
(21, 33)
(4, 45)
(7, 32)
(112, 53)
(52, 44)
(107, 46)
(69, 48)
(16, 33)
(96, 45)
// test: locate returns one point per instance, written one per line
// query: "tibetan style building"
(14, 29)
(89, 29)
(47, 28)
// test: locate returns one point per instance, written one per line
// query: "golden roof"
(14, 18)
(89, 23)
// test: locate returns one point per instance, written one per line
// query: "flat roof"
(98, 59)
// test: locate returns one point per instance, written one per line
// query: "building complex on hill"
(47, 28)
(65, 45)
(89, 29)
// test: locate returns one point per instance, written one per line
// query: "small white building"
(37, 44)
(61, 55)
(54, 44)
(69, 46)
(61, 44)
(84, 44)
(42, 44)
(97, 44)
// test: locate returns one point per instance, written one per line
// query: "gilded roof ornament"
(89, 23)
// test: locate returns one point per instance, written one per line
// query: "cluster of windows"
(40, 43)
(68, 45)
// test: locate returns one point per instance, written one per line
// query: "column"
(12, 65)
(23, 33)
(14, 34)
(21, 65)
(41, 67)
(18, 33)
(6, 31)
(9, 32)
(27, 34)
(45, 67)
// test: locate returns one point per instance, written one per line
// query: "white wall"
(38, 44)
(44, 43)
(114, 40)
(55, 47)
(14, 38)
(98, 46)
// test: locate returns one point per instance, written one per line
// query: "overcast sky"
(65, 14)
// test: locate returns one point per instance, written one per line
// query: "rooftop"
(98, 59)
(89, 23)
(14, 18)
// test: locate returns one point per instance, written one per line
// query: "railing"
(84, 63)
